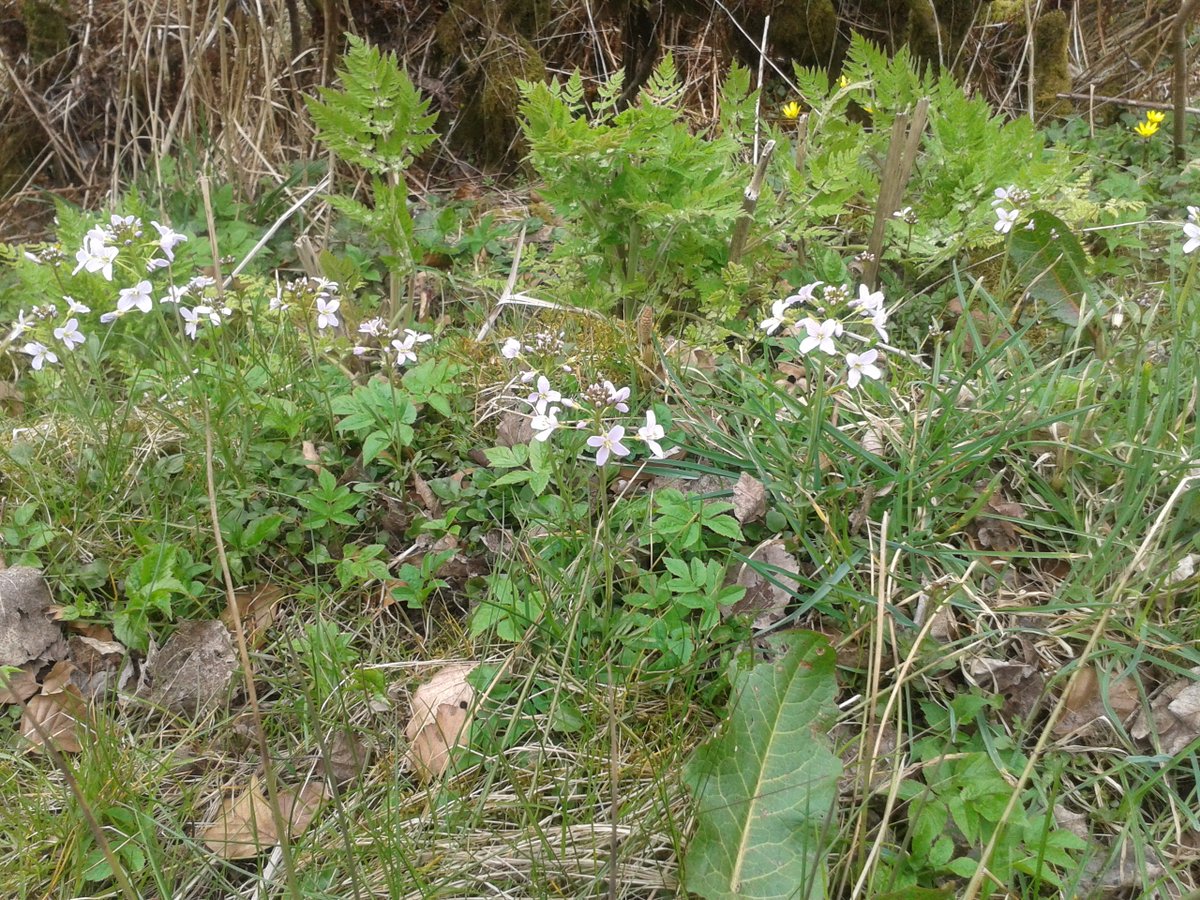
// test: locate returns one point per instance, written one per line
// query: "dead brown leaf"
(1020, 684)
(192, 672)
(749, 499)
(54, 714)
(27, 633)
(19, 686)
(244, 826)
(96, 663)
(441, 715)
(1085, 704)
(426, 496)
(345, 759)
(12, 399)
(764, 599)
(1174, 720)
(257, 609)
(513, 429)
(993, 533)
(313, 459)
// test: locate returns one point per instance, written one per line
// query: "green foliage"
(682, 521)
(380, 122)
(328, 503)
(649, 205)
(380, 416)
(1051, 266)
(154, 583)
(765, 788)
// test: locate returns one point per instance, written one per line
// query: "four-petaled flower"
(868, 301)
(136, 297)
(1004, 195)
(405, 352)
(1005, 219)
(544, 423)
(1191, 231)
(608, 444)
(778, 309)
(168, 240)
(511, 349)
(862, 364)
(40, 352)
(95, 255)
(617, 397)
(652, 433)
(791, 110)
(191, 320)
(174, 294)
(820, 335)
(544, 395)
(69, 334)
(75, 306)
(327, 312)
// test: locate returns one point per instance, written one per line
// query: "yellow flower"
(1146, 130)
(869, 110)
(1155, 117)
(791, 110)
(843, 82)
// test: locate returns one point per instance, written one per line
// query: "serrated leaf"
(765, 788)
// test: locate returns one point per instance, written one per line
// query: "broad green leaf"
(1052, 266)
(766, 787)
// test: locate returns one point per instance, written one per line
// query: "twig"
(762, 57)
(276, 225)
(897, 169)
(1179, 88)
(741, 228)
(508, 288)
(1137, 104)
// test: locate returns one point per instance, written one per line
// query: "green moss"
(937, 28)
(1051, 75)
(47, 28)
(805, 31)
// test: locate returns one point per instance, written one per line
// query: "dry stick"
(235, 616)
(508, 288)
(897, 169)
(1122, 101)
(52, 133)
(741, 228)
(118, 871)
(762, 58)
(1056, 712)
(211, 221)
(1180, 87)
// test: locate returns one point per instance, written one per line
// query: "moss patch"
(47, 28)
(1050, 73)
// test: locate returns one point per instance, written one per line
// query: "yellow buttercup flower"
(1146, 130)
(843, 82)
(791, 110)
(1155, 117)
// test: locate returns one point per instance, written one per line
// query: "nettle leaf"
(1051, 265)
(765, 789)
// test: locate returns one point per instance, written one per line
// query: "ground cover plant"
(575, 548)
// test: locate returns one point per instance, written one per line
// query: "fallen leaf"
(749, 499)
(1084, 703)
(54, 714)
(244, 826)
(192, 672)
(257, 609)
(345, 759)
(1020, 684)
(765, 599)
(19, 686)
(1174, 717)
(426, 496)
(993, 533)
(513, 429)
(26, 631)
(96, 662)
(441, 714)
(313, 459)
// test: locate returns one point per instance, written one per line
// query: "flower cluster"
(42, 327)
(391, 346)
(103, 244)
(1005, 217)
(313, 297)
(822, 314)
(1191, 230)
(593, 409)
